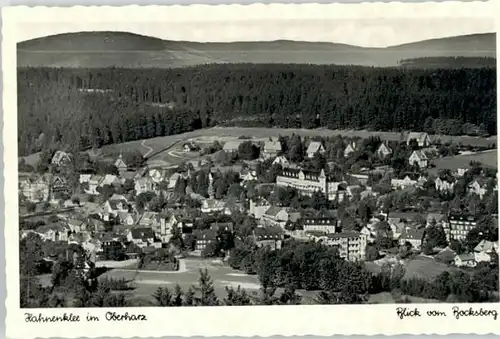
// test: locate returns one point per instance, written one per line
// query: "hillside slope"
(121, 49)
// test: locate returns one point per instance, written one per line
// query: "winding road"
(150, 149)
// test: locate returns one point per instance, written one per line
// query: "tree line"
(85, 108)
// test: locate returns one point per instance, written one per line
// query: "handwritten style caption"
(455, 312)
(75, 318)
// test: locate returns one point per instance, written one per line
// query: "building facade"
(309, 182)
(351, 244)
(320, 224)
(459, 225)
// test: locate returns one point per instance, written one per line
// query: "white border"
(219, 321)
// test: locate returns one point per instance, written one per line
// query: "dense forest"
(81, 108)
(449, 62)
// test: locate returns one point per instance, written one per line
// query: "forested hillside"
(84, 108)
(449, 62)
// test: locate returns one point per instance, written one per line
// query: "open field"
(420, 267)
(145, 283)
(223, 134)
(487, 158)
(425, 267)
(166, 150)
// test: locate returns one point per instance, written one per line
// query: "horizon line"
(251, 41)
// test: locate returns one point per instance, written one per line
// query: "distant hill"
(93, 41)
(122, 49)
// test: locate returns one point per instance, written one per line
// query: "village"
(372, 200)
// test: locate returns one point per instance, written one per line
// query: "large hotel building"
(307, 182)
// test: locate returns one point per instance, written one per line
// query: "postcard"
(255, 170)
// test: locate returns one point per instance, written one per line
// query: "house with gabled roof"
(477, 187)
(465, 260)
(113, 207)
(422, 139)
(61, 158)
(444, 184)
(149, 218)
(36, 188)
(351, 148)
(418, 158)
(313, 148)
(204, 238)
(95, 225)
(484, 251)
(127, 218)
(84, 178)
(276, 216)
(270, 237)
(439, 218)
(281, 161)
(93, 184)
(258, 207)
(212, 206)
(383, 150)
(120, 164)
(77, 225)
(141, 236)
(110, 180)
(157, 175)
(247, 175)
(143, 185)
(272, 148)
(53, 232)
(412, 235)
(408, 180)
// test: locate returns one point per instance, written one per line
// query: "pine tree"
(205, 290)
(163, 296)
(189, 297)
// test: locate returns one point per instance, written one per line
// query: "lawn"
(424, 267)
(145, 283)
(487, 158)
(230, 133)
(158, 147)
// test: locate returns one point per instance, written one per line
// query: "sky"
(355, 25)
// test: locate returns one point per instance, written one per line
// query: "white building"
(308, 182)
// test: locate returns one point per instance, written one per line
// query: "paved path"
(150, 150)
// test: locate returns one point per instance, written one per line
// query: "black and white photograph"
(315, 162)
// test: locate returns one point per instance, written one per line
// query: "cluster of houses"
(116, 222)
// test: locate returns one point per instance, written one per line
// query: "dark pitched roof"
(310, 175)
(267, 233)
(408, 216)
(222, 225)
(412, 233)
(143, 233)
(326, 221)
(207, 234)
(462, 217)
(273, 210)
(345, 234)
